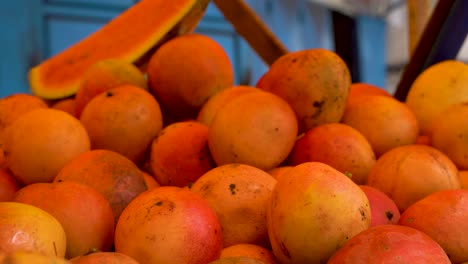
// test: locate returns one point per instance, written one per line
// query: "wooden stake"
(419, 12)
(252, 29)
(441, 40)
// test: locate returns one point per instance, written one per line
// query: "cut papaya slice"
(132, 36)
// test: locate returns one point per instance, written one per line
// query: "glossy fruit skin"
(390, 244)
(8, 186)
(442, 216)
(257, 129)
(409, 173)
(338, 145)
(104, 258)
(237, 260)
(186, 71)
(384, 210)
(116, 177)
(15, 105)
(104, 75)
(169, 225)
(309, 215)
(393, 122)
(449, 134)
(250, 251)
(179, 155)
(40, 142)
(435, 89)
(68, 105)
(25, 257)
(85, 215)
(239, 195)
(219, 100)
(315, 82)
(25, 227)
(124, 119)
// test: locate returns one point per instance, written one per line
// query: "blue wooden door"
(20, 36)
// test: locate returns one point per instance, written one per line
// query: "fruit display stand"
(441, 40)
(357, 181)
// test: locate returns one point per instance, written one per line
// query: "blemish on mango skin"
(151, 237)
(318, 105)
(363, 213)
(389, 215)
(55, 248)
(189, 185)
(232, 188)
(167, 207)
(285, 250)
(206, 188)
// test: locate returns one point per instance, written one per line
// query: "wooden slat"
(419, 12)
(252, 29)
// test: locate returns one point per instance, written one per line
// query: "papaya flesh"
(131, 36)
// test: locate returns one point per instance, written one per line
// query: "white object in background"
(378, 8)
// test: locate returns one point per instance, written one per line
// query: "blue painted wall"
(19, 43)
(371, 50)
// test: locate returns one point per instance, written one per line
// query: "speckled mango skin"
(309, 216)
(315, 82)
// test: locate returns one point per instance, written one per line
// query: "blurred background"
(370, 35)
